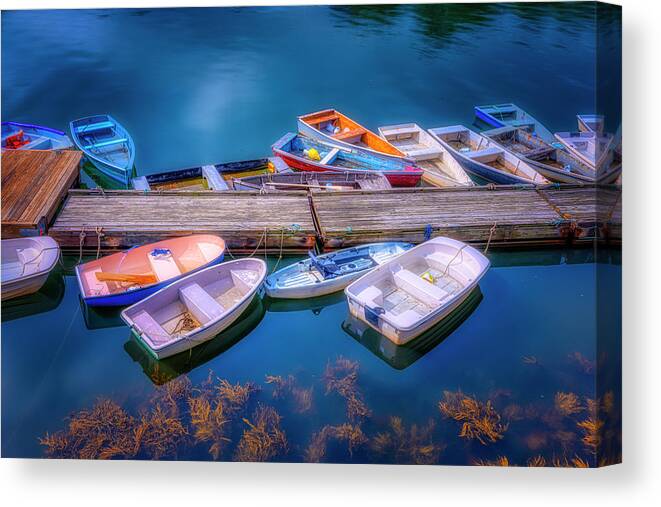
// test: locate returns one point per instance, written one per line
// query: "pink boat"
(127, 277)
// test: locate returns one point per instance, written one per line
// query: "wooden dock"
(501, 215)
(34, 183)
(293, 222)
(247, 221)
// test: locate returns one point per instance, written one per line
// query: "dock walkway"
(293, 222)
(247, 221)
(34, 183)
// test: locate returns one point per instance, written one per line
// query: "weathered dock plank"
(34, 182)
(504, 215)
(248, 221)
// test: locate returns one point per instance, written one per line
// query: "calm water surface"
(198, 86)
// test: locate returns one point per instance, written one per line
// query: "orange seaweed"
(479, 420)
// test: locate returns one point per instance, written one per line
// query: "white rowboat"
(26, 263)
(194, 309)
(406, 296)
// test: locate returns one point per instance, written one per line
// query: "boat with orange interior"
(332, 127)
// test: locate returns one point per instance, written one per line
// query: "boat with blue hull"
(124, 278)
(306, 154)
(485, 160)
(511, 115)
(319, 275)
(25, 136)
(106, 144)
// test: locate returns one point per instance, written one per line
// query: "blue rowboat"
(306, 154)
(127, 277)
(484, 160)
(24, 136)
(319, 275)
(511, 115)
(107, 145)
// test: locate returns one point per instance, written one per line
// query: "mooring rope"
(99, 235)
(491, 231)
(282, 241)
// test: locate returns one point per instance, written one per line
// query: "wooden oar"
(300, 185)
(122, 277)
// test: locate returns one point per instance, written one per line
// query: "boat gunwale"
(190, 335)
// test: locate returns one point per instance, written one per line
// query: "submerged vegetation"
(479, 420)
(220, 420)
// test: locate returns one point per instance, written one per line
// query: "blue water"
(196, 86)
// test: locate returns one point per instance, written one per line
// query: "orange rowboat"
(127, 277)
(332, 127)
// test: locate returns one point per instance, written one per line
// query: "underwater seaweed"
(575, 462)
(413, 445)
(172, 395)
(480, 420)
(106, 431)
(536, 461)
(535, 441)
(302, 397)
(213, 406)
(342, 378)
(583, 363)
(264, 439)
(160, 434)
(567, 403)
(209, 421)
(592, 433)
(352, 434)
(500, 461)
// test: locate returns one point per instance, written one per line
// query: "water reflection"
(315, 305)
(99, 317)
(165, 370)
(45, 299)
(403, 356)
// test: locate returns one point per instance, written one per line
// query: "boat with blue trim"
(25, 136)
(319, 275)
(127, 277)
(106, 144)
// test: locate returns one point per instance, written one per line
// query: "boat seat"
(104, 144)
(163, 266)
(93, 127)
(322, 119)
(349, 134)
(214, 180)
(200, 303)
(371, 296)
(425, 153)
(422, 290)
(454, 129)
(147, 325)
(486, 154)
(330, 156)
(404, 132)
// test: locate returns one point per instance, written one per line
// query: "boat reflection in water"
(100, 317)
(315, 305)
(44, 300)
(403, 356)
(161, 372)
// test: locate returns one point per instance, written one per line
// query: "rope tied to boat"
(460, 251)
(491, 232)
(282, 241)
(99, 235)
(25, 264)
